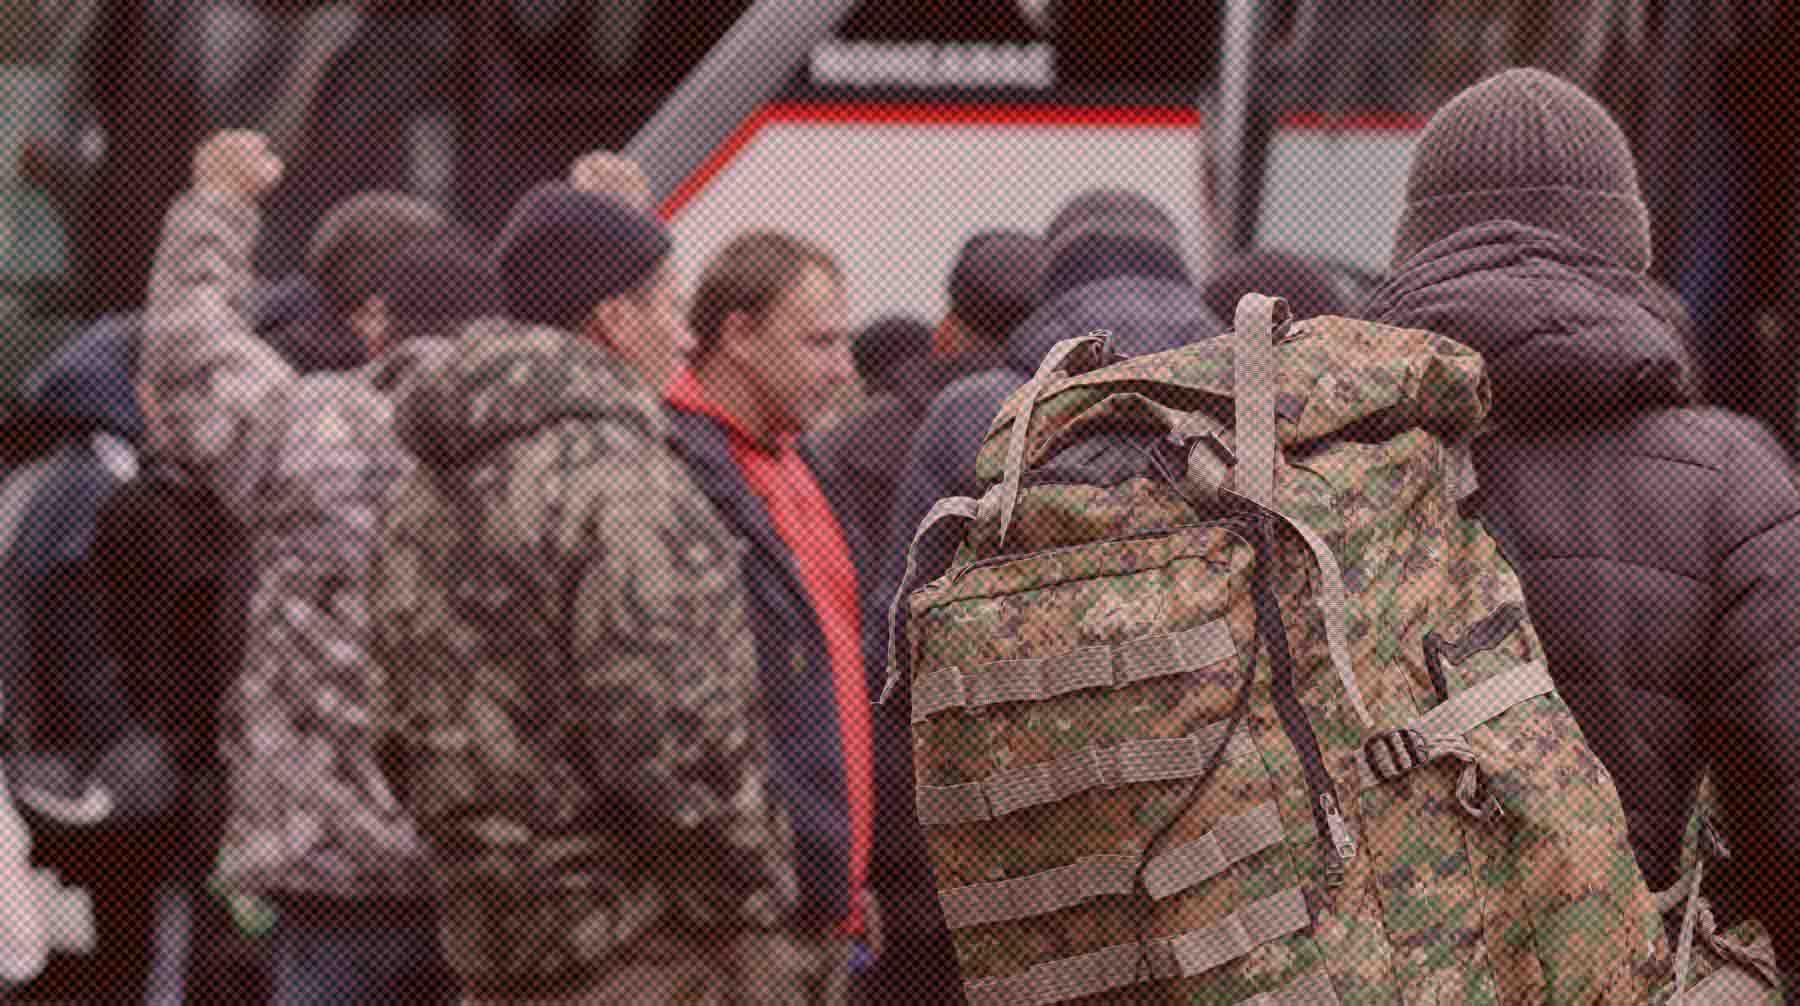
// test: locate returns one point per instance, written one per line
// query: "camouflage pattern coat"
(302, 463)
(573, 680)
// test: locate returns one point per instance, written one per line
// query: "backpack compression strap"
(958, 508)
(1439, 733)
(1059, 355)
(1259, 324)
(1259, 319)
(1185, 956)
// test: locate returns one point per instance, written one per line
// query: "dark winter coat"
(1659, 544)
(171, 574)
(806, 747)
(62, 689)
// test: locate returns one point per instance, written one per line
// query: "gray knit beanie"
(1526, 146)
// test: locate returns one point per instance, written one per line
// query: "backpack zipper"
(1328, 816)
(1481, 637)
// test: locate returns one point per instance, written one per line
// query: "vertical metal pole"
(754, 60)
(1205, 243)
(1233, 108)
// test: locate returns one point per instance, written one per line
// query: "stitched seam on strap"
(1314, 989)
(1143, 761)
(1041, 678)
(1184, 956)
(1231, 841)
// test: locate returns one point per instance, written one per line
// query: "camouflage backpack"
(1228, 697)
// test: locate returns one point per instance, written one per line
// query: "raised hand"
(238, 164)
(604, 173)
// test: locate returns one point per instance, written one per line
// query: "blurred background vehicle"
(892, 127)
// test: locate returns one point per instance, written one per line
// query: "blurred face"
(145, 393)
(796, 357)
(649, 328)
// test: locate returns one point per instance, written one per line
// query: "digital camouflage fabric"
(302, 462)
(572, 682)
(1142, 774)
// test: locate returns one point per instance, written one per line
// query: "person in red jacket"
(772, 351)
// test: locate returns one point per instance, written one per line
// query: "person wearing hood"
(302, 464)
(67, 722)
(1309, 285)
(1112, 263)
(561, 616)
(1659, 542)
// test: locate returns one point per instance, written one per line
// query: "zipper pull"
(1342, 842)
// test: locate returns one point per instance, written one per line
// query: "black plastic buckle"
(1403, 750)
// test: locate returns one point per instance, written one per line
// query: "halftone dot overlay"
(360, 645)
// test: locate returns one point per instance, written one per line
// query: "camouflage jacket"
(573, 680)
(302, 463)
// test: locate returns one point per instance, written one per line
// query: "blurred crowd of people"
(455, 622)
(276, 654)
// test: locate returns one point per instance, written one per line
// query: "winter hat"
(1106, 233)
(1110, 211)
(886, 343)
(564, 251)
(353, 241)
(994, 284)
(1526, 146)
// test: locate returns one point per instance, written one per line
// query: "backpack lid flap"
(1335, 373)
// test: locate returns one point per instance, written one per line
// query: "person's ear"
(148, 407)
(607, 321)
(371, 323)
(950, 338)
(737, 337)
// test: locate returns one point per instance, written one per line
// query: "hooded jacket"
(1145, 315)
(572, 681)
(302, 464)
(1659, 544)
(62, 687)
